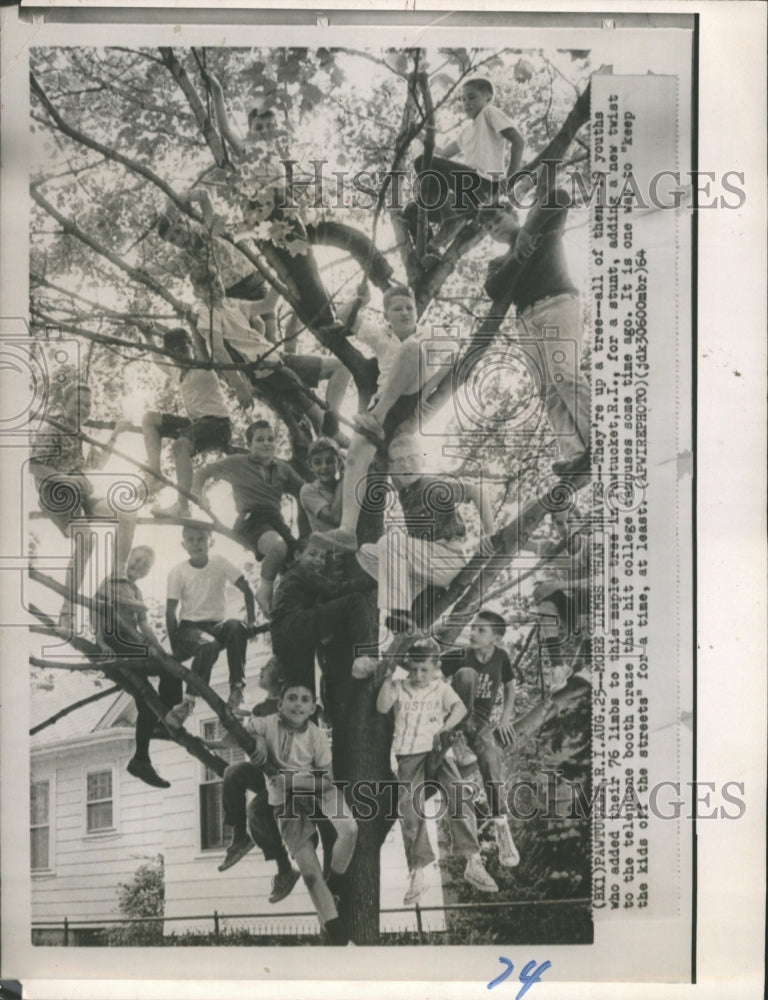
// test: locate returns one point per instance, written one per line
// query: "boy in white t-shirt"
(402, 372)
(194, 617)
(425, 708)
(296, 756)
(472, 167)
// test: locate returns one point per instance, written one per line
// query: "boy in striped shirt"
(425, 708)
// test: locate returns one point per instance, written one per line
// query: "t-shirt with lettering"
(481, 143)
(419, 714)
(200, 590)
(497, 671)
(301, 751)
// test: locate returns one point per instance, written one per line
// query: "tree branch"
(136, 274)
(106, 151)
(70, 708)
(208, 130)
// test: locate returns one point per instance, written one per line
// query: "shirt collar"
(291, 729)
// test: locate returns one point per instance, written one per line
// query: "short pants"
(255, 523)
(62, 498)
(306, 366)
(205, 433)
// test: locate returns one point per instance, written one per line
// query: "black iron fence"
(70, 932)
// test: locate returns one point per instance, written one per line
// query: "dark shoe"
(330, 424)
(143, 770)
(236, 851)
(577, 466)
(336, 933)
(335, 883)
(282, 884)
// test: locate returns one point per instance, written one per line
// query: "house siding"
(86, 869)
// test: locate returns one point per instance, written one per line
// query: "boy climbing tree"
(278, 244)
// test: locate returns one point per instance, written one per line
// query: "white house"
(92, 825)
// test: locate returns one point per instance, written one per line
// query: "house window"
(99, 801)
(39, 825)
(214, 833)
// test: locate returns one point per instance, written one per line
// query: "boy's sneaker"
(461, 752)
(415, 888)
(477, 876)
(509, 856)
(236, 696)
(282, 884)
(179, 714)
(143, 770)
(236, 851)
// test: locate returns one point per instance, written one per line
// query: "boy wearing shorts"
(60, 469)
(206, 427)
(300, 784)
(259, 481)
(119, 619)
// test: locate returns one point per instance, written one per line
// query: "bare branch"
(106, 151)
(206, 126)
(74, 706)
(136, 274)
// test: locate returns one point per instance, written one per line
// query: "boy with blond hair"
(401, 373)
(195, 618)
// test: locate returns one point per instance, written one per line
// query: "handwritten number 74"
(530, 974)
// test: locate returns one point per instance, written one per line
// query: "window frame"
(49, 869)
(209, 779)
(113, 800)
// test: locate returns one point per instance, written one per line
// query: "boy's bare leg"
(126, 526)
(74, 579)
(183, 450)
(359, 457)
(274, 551)
(312, 873)
(338, 376)
(150, 427)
